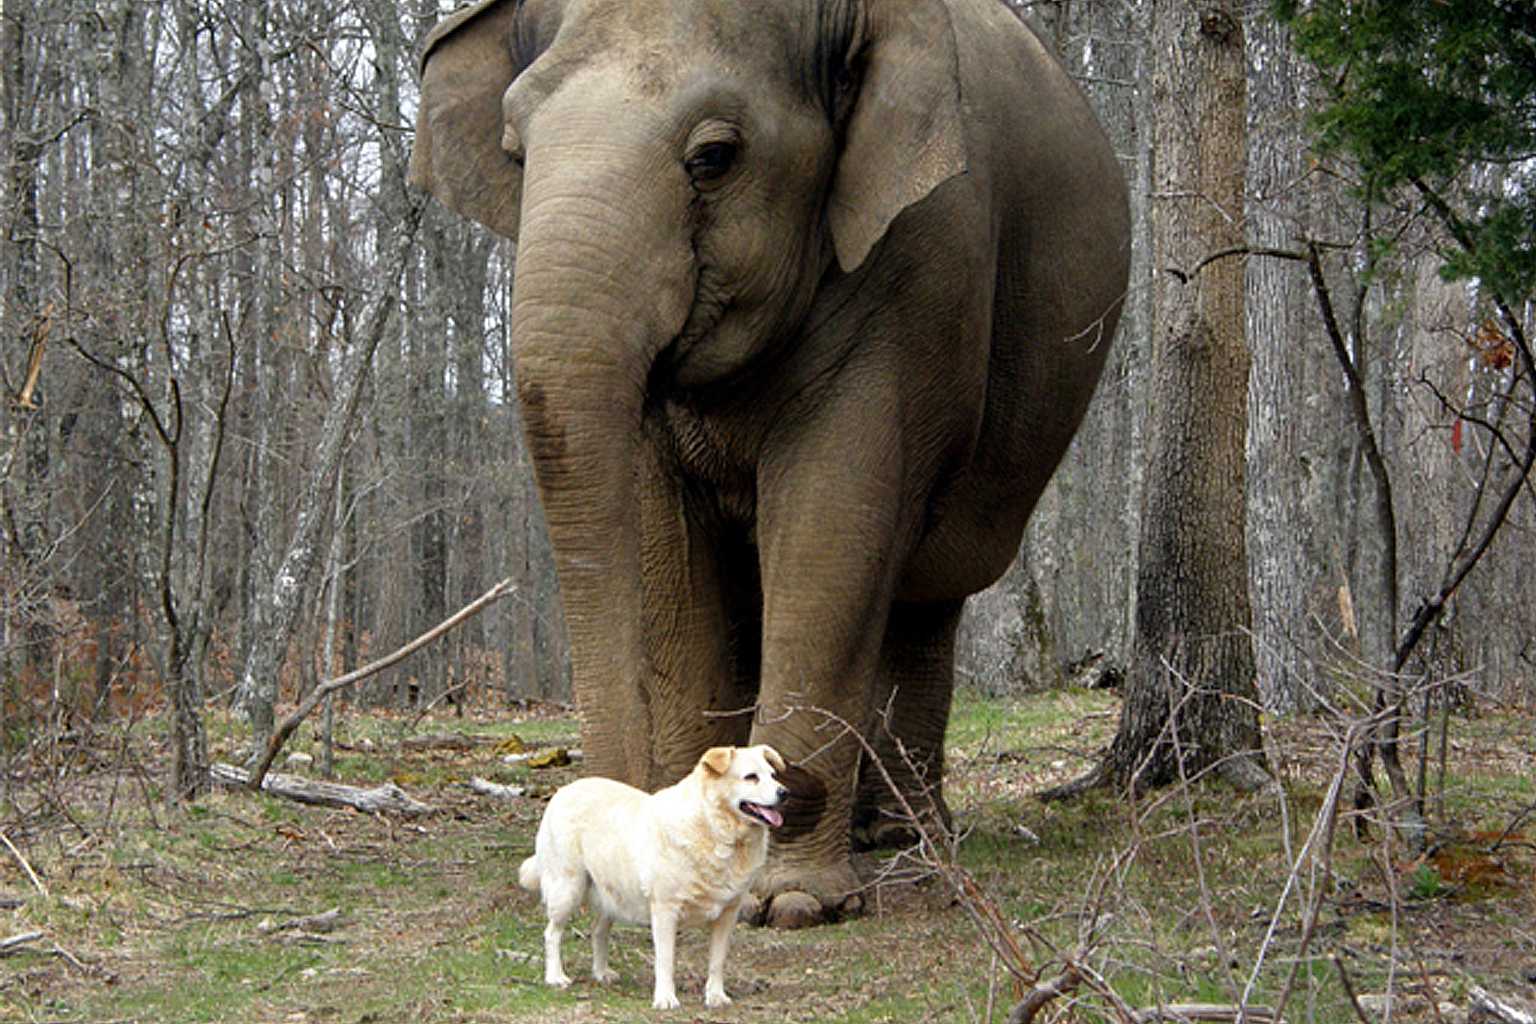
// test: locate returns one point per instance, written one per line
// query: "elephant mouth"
(767, 815)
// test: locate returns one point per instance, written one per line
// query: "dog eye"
(750, 776)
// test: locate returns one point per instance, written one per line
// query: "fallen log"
(385, 798)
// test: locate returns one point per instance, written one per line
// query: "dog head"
(748, 781)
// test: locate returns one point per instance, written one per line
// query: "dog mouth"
(767, 815)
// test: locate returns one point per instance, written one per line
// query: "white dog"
(685, 854)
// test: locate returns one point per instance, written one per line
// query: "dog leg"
(554, 971)
(719, 945)
(562, 899)
(664, 938)
(602, 924)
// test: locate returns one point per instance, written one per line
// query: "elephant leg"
(913, 693)
(829, 530)
(691, 678)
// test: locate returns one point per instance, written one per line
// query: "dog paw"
(559, 980)
(665, 1001)
(716, 998)
(605, 977)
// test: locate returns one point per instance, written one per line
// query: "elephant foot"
(883, 824)
(800, 896)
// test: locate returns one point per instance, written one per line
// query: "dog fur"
(683, 855)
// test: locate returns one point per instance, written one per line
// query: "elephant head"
(679, 176)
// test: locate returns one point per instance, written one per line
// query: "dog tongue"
(768, 814)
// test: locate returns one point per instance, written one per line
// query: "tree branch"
(286, 727)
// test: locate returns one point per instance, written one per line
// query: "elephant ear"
(466, 65)
(904, 135)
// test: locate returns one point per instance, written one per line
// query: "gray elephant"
(810, 297)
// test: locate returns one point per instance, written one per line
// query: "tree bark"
(1293, 575)
(1190, 702)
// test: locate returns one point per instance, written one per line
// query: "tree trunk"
(1190, 701)
(279, 599)
(1293, 575)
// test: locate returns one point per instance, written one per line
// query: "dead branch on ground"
(485, 787)
(387, 797)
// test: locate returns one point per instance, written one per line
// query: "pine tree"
(1427, 97)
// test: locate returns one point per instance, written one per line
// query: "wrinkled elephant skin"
(810, 296)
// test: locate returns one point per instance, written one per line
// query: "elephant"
(810, 297)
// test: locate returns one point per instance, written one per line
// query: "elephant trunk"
(593, 307)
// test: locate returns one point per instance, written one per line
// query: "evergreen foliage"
(1437, 96)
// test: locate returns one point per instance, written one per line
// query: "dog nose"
(783, 793)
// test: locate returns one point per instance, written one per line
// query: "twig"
(288, 725)
(32, 875)
(73, 960)
(1349, 990)
(448, 694)
(1184, 277)
(7, 946)
(1322, 830)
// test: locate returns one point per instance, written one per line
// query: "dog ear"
(717, 760)
(804, 806)
(774, 759)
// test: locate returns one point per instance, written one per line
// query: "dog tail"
(528, 874)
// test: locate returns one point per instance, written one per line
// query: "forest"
(259, 431)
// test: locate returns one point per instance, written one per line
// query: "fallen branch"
(37, 883)
(383, 798)
(1217, 1012)
(1504, 1009)
(546, 757)
(10, 945)
(1043, 994)
(447, 741)
(327, 921)
(286, 727)
(495, 789)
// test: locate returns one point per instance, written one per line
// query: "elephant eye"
(710, 161)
